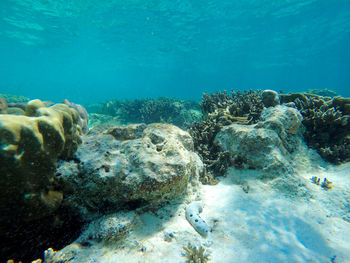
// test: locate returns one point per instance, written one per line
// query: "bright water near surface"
(94, 50)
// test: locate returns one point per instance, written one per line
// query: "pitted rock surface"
(269, 144)
(156, 165)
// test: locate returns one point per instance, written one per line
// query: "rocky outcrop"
(267, 145)
(129, 167)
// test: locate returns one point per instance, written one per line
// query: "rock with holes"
(129, 166)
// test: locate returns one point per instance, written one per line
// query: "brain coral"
(30, 146)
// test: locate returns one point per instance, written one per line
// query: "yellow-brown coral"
(30, 147)
(195, 255)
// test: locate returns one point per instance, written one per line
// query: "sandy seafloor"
(263, 225)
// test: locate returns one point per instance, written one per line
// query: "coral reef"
(83, 115)
(181, 113)
(30, 146)
(14, 98)
(195, 255)
(246, 104)
(322, 92)
(219, 110)
(327, 124)
(129, 166)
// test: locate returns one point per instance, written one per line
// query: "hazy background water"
(94, 50)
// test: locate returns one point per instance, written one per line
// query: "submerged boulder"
(129, 167)
(267, 145)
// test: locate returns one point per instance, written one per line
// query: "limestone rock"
(267, 145)
(145, 165)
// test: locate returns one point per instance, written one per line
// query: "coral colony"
(96, 183)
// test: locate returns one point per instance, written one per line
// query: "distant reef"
(323, 92)
(13, 98)
(182, 113)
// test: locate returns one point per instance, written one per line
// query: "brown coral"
(327, 124)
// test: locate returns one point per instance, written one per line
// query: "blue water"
(94, 50)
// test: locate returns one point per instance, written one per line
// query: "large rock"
(267, 145)
(129, 166)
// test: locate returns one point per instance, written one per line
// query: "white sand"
(263, 225)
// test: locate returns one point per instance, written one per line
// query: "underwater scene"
(136, 131)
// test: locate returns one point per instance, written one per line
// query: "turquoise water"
(90, 50)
